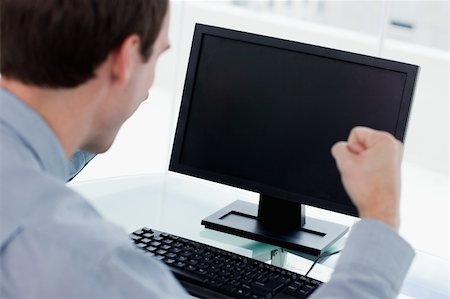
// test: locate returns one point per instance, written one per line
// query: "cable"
(323, 255)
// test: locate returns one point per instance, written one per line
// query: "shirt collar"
(34, 132)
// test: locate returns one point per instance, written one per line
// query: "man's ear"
(124, 59)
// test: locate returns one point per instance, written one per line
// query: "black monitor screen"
(263, 116)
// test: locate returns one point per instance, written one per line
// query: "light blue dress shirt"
(54, 244)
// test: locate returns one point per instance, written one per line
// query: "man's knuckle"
(387, 138)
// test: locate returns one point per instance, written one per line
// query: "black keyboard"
(210, 272)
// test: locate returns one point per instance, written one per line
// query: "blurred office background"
(415, 32)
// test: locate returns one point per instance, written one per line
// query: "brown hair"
(60, 43)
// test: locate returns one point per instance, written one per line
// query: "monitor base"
(240, 218)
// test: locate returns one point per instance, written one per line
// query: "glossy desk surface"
(177, 204)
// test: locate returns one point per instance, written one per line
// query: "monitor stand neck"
(280, 214)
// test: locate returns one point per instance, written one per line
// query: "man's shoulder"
(27, 193)
(13, 151)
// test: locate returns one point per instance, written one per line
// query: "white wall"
(427, 139)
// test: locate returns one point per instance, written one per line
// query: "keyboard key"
(275, 286)
(235, 276)
(169, 261)
(197, 256)
(173, 237)
(135, 237)
(212, 275)
(303, 279)
(224, 272)
(315, 282)
(261, 279)
(155, 243)
(171, 255)
(301, 294)
(175, 250)
(285, 279)
(138, 232)
(215, 284)
(297, 284)
(151, 248)
(178, 245)
(234, 282)
(191, 268)
(201, 271)
(189, 276)
(247, 280)
(228, 289)
(223, 279)
(192, 262)
(260, 290)
(240, 293)
(180, 264)
(290, 290)
(182, 258)
(147, 235)
(229, 267)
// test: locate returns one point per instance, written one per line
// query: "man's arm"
(373, 264)
(376, 259)
(78, 161)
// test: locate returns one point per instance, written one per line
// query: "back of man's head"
(59, 43)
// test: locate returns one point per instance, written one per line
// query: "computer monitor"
(262, 114)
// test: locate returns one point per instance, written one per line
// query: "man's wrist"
(387, 217)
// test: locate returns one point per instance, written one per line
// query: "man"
(72, 73)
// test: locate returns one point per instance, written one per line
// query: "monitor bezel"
(202, 30)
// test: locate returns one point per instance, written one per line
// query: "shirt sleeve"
(78, 161)
(373, 264)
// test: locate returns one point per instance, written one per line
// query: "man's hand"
(369, 163)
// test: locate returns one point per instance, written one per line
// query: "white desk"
(176, 204)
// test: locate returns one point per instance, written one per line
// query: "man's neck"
(68, 112)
